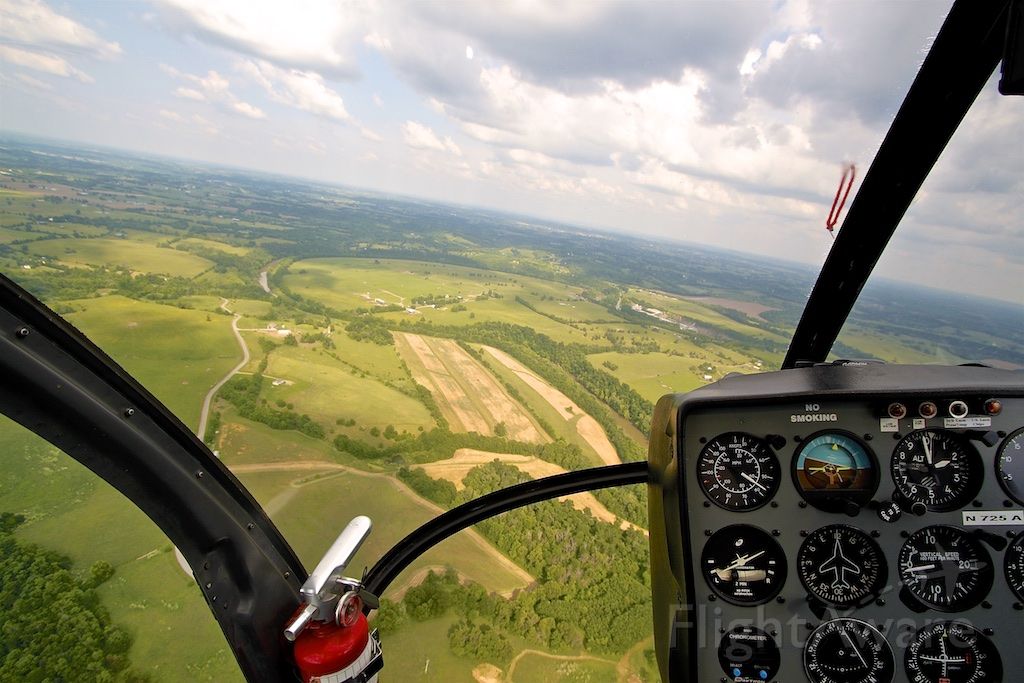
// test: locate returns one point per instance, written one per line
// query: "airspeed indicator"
(738, 472)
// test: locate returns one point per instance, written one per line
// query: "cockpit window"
(388, 259)
(947, 290)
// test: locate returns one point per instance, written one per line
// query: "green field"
(538, 667)
(142, 337)
(197, 243)
(139, 256)
(71, 511)
(312, 507)
(327, 390)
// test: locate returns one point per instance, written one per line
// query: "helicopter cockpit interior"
(836, 521)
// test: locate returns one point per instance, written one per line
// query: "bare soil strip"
(470, 398)
(493, 397)
(455, 469)
(587, 426)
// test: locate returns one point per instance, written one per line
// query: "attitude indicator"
(834, 471)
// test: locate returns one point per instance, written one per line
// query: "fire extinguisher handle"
(322, 583)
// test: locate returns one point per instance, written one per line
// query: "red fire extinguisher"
(333, 642)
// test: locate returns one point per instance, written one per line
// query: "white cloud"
(304, 34)
(31, 23)
(370, 134)
(171, 115)
(377, 41)
(419, 136)
(246, 109)
(189, 94)
(40, 61)
(36, 37)
(213, 88)
(303, 90)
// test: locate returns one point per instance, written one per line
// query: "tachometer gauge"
(1010, 466)
(834, 470)
(749, 655)
(738, 471)
(744, 565)
(952, 652)
(1013, 566)
(848, 651)
(936, 468)
(841, 565)
(946, 568)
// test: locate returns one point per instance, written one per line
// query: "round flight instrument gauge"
(738, 472)
(946, 568)
(744, 565)
(952, 652)
(835, 470)
(848, 651)
(1010, 466)
(841, 565)
(1013, 565)
(749, 655)
(936, 468)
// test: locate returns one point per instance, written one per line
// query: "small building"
(283, 332)
(411, 311)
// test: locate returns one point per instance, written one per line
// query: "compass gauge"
(848, 651)
(946, 568)
(936, 468)
(841, 565)
(952, 652)
(1013, 566)
(744, 565)
(738, 472)
(1010, 466)
(834, 470)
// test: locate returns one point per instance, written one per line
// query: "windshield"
(386, 259)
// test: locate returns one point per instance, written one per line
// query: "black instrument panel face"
(852, 546)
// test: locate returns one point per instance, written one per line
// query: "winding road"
(204, 414)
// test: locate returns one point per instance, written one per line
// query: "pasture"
(136, 255)
(327, 390)
(296, 496)
(178, 355)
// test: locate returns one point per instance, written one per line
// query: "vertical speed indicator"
(738, 472)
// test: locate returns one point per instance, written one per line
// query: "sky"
(722, 123)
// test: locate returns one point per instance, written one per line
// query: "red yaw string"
(849, 173)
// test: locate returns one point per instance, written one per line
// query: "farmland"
(407, 357)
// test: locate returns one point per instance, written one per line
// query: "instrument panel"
(841, 524)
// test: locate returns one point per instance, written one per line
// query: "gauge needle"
(940, 464)
(854, 648)
(921, 568)
(927, 443)
(945, 660)
(740, 561)
(753, 481)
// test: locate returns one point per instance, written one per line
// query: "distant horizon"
(725, 125)
(812, 271)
